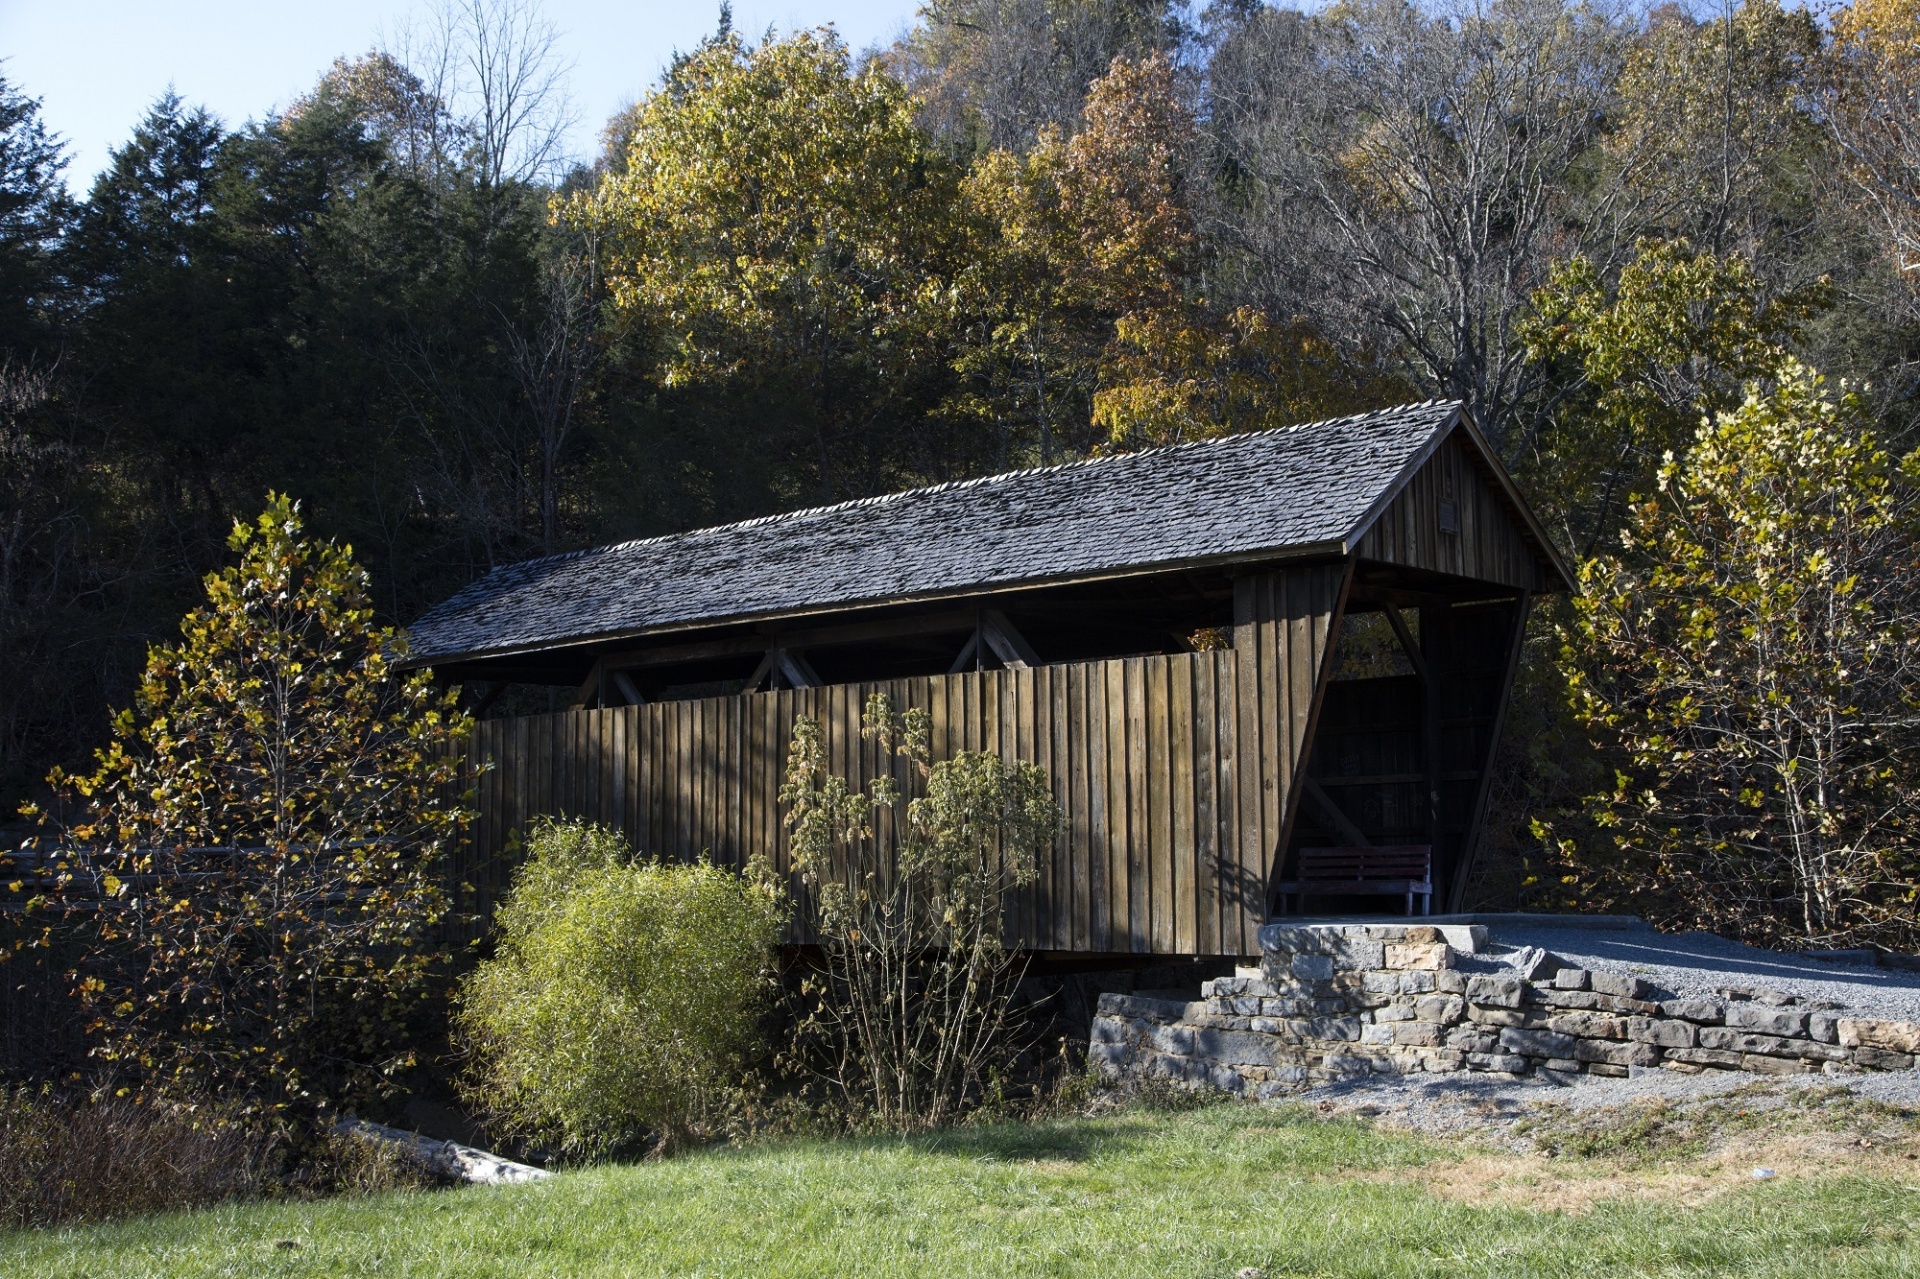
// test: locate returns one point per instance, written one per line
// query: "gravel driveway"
(1700, 963)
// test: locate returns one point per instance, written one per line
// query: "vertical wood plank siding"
(1489, 546)
(1175, 774)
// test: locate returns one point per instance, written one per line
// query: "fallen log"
(448, 1159)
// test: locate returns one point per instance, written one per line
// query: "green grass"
(1203, 1193)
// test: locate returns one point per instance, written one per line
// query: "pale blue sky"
(98, 64)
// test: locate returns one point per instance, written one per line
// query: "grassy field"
(1139, 1193)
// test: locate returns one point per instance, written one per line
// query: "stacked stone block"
(1333, 1002)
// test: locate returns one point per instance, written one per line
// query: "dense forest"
(1028, 231)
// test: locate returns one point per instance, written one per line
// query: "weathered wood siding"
(1175, 774)
(1490, 544)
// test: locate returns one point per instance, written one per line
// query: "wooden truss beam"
(967, 652)
(488, 698)
(1007, 643)
(783, 663)
(950, 622)
(795, 670)
(1407, 642)
(994, 633)
(623, 683)
(783, 668)
(1516, 641)
(590, 695)
(1333, 813)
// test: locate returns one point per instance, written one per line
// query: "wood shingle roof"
(1296, 490)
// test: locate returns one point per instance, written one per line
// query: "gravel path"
(1700, 963)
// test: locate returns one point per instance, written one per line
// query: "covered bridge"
(1222, 652)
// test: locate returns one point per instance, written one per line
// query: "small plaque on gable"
(1449, 515)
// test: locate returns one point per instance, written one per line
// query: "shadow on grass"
(1298, 1133)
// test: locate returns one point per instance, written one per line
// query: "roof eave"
(1277, 555)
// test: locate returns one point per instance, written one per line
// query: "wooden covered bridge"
(1222, 652)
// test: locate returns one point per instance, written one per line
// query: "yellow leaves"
(1099, 216)
(770, 187)
(1890, 25)
(1674, 340)
(1738, 659)
(1178, 374)
(112, 885)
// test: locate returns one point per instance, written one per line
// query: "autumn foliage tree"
(1091, 272)
(1078, 232)
(777, 225)
(1636, 362)
(267, 830)
(1710, 139)
(1749, 665)
(1873, 110)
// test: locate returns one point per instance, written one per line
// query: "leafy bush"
(348, 1163)
(625, 995)
(102, 1157)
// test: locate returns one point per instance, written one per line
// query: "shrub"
(625, 997)
(914, 1000)
(349, 1163)
(114, 1157)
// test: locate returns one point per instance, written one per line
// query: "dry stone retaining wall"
(1334, 1002)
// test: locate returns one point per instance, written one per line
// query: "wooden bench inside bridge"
(1360, 870)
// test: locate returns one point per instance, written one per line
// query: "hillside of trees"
(1028, 231)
